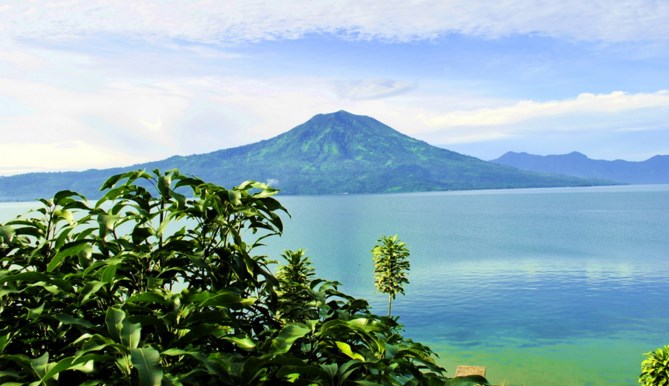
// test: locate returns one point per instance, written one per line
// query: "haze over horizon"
(93, 84)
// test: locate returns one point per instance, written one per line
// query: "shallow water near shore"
(561, 286)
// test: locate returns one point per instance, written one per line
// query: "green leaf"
(63, 237)
(164, 183)
(69, 319)
(347, 369)
(108, 274)
(90, 289)
(6, 234)
(57, 368)
(176, 352)
(53, 289)
(124, 362)
(84, 367)
(107, 221)
(180, 198)
(41, 365)
(162, 226)
(35, 313)
(121, 329)
(30, 277)
(111, 181)
(63, 194)
(72, 249)
(114, 321)
(94, 343)
(32, 228)
(223, 298)
(346, 349)
(235, 197)
(140, 234)
(146, 361)
(4, 339)
(67, 216)
(131, 334)
(287, 336)
(245, 343)
(330, 369)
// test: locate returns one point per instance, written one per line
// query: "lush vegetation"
(158, 283)
(391, 266)
(329, 154)
(655, 368)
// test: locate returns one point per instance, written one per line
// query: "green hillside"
(329, 154)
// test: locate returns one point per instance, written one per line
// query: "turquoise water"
(541, 286)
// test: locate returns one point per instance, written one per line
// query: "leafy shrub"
(655, 368)
(158, 283)
(391, 265)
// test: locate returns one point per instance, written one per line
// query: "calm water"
(541, 286)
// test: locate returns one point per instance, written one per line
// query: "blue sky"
(94, 84)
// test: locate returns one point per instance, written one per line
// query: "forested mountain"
(654, 170)
(329, 154)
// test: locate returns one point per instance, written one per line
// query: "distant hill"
(652, 171)
(329, 154)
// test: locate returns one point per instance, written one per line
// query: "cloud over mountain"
(371, 88)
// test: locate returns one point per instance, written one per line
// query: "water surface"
(542, 286)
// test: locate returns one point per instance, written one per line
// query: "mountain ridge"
(654, 170)
(328, 154)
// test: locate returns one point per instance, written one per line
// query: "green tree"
(391, 266)
(655, 368)
(296, 296)
(158, 283)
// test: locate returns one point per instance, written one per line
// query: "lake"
(562, 286)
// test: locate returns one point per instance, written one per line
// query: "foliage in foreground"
(158, 283)
(655, 368)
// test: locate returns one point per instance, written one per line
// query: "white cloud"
(17, 60)
(394, 20)
(125, 118)
(630, 126)
(58, 156)
(602, 105)
(371, 88)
